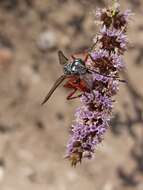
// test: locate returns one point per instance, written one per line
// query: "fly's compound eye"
(75, 68)
(78, 67)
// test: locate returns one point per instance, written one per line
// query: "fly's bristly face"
(77, 67)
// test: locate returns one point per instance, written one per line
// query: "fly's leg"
(71, 97)
(73, 57)
(92, 47)
(76, 55)
(86, 57)
(114, 77)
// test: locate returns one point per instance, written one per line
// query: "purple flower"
(87, 98)
(127, 14)
(99, 54)
(109, 32)
(93, 117)
(113, 38)
(113, 87)
(99, 77)
(117, 61)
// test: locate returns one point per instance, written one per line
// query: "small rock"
(59, 116)
(47, 40)
(40, 124)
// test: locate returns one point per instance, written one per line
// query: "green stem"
(113, 5)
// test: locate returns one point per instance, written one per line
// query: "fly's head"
(77, 67)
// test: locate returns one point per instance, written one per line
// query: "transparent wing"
(56, 84)
(62, 58)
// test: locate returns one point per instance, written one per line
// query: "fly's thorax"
(77, 67)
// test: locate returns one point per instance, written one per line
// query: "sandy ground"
(33, 138)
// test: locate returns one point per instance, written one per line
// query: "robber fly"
(74, 71)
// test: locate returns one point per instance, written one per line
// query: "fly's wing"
(88, 80)
(56, 84)
(62, 58)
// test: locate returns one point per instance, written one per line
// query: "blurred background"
(33, 138)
